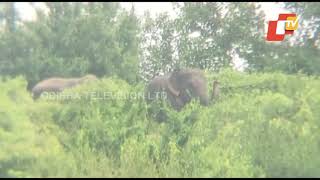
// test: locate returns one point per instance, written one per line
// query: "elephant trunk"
(204, 101)
(215, 90)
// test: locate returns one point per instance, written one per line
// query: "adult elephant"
(179, 87)
(57, 84)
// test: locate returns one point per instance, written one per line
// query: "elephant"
(58, 84)
(190, 83)
(180, 87)
(160, 88)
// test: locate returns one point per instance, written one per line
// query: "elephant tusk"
(173, 91)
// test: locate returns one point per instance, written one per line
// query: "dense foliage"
(263, 125)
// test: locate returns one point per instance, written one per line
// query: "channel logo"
(286, 24)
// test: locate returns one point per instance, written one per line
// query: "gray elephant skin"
(180, 87)
(57, 84)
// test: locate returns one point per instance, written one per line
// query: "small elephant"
(180, 87)
(59, 84)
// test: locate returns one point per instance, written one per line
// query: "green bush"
(263, 125)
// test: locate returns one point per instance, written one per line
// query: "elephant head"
(180, 87)
(160, 89)
(190, 83)
(56, 84)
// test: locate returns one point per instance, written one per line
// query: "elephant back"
(182, 79)
(53, 85)
(88, 77)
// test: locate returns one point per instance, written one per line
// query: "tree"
(301, 55)
(73, 40)
(157, 46)
(308, 11)
(205, 35)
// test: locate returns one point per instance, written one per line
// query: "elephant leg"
(176, 102)
(185, 96)
(204, 99)
(161, 116)
(200, 90)
(179, 103)
(35, 96)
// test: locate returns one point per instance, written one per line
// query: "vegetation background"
(265, 123)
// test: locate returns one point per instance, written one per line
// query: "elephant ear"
(173, 91)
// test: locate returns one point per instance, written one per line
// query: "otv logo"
(286, 24)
